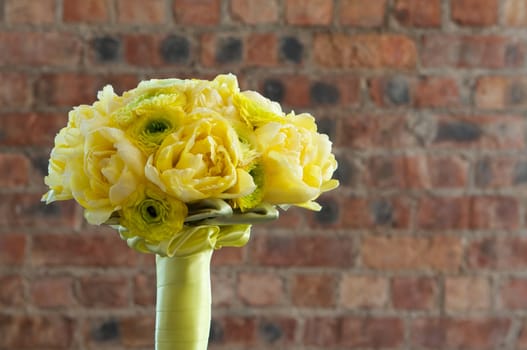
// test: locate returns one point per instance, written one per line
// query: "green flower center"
(157, 126)
(152, 211)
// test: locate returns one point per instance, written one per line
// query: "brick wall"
(423, 246)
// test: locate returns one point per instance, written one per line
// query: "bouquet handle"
(183, 307)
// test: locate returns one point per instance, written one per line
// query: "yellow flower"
(257, 110)
(64, 164)
(149, 118)
(67, 157)
(153, 215)
(298, 163)
(202, 159)
(112, 170)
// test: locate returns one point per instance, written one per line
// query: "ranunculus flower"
(148, 119)
(152, 215)
(297, 161)
(202, 159)
(112, 170)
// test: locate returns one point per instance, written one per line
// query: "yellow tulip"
(297, 161)
(202, 159)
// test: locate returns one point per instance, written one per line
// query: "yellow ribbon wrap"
(183, 302)
(183, 310)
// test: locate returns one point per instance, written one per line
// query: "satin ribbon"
(183, 302)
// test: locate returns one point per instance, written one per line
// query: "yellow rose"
(202, 159)
(64, 164)
(152, 215)
(112, 170)
(297, 161)
(66, 159)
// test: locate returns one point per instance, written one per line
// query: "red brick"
(372, 332)
(313, 290)
(14, 170)
(137, 331)
(491, 92)
(498, 253)
(418, 13)
(495, 213)
(208, 44)
(35, 332)
(489, 51)
(139, 11)
(26, 210)
(467, 293)
(30, 129)
(49, 292)
(70, 89)
(358, 13)
(120, 82)
(368, 213)
(12, 249)
(15, 92)
(309, 12)
(29, 11)
(227, 256)
(437, 92)
(373, 132)
(66, 89)
(384, 172)
(448, 172)
(89, 11)
(339, 50)
(255, 11)
(262, 49)
(238, 330)
(442, 213)
(499, 172)
(362, 213)
(521, 343)
(369, 292)
(296, 90)
(474, 12)
(418, 171)
(223, 290)
(479, 132)
(322, 331)
(515, 13)
(197, 12)
(144, 289)
(391, 91)
(277, 331)
(474, 333)
(512, 294)
(11, 293)
(103, 291)
(441, 253)
(414, 293)
(272, 250)
(347, 88)
(500, 92)
(142, 50)
(81, 250)
(260, 289)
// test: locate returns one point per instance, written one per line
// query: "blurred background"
(423, 246)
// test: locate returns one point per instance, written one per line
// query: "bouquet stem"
(183, 302)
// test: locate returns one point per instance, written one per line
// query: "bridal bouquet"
(183, 167)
